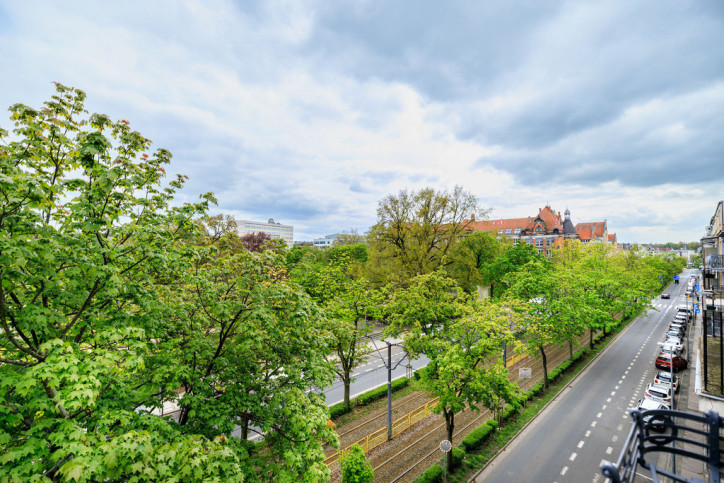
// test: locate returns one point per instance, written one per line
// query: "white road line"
(609, 450)
(573, 457)
(593, 424)
(608, 400)
(616, 388)
(613, 393)
(564, 470)
(588, 433)
(604, 407)
(615, 438)
(599, 415)
(580, 444)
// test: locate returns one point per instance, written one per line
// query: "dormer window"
(507, 232)
(517, 230)
(538, 229)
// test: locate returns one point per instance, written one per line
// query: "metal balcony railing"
(679, 433)
(714, 263)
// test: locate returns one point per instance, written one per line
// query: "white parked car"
(658, 392)
(656, 423)
(664, 378)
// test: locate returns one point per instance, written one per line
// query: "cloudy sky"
(311, 112)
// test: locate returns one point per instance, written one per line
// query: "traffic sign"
(445, 445)
(676, 277)
(696, 306)
(524, 372)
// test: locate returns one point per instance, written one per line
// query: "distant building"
(325, 242)
(546, 230)
(271, 228)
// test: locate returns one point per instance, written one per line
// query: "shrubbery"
(340, 409)
(479, 436)
(432, 475)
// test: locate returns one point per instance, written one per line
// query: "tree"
(470, 260)
(346, 300)
(355, 466)
(247, 347)
(84, 220)
(415, 230)
(351, 238)
(534, 285)
(255, 242)
(512, 259)
(464, 340)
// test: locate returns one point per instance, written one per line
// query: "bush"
(432, 475)
(458, 454)
(509, 412)
(536, 389)
(564, 366)
(355, 467)
(380, 392)
(492, 423)
(337, 410)
(478, 436)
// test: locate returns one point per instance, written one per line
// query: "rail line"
(419, 396)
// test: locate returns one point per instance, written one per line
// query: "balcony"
(714, 263)
(659, 432)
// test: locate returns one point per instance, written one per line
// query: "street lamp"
(389, 367)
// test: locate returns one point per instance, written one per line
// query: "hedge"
(432, 475)
(458, 454)
(509, 412)
(339, 409)
(380, 392)
(478, 436)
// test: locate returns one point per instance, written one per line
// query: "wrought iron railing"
(678, 433)
(714, 263)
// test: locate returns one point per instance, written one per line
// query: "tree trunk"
(450, 426)
(244, 428)
(347, 382)
(570, 349)
(590, 338)
(545, 366)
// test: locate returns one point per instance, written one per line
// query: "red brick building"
(546, 230)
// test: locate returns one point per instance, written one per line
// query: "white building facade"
(271, 228)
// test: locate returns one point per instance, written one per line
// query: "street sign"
(445, 445)
(696, 310)
(676, 277)
(697, 287)
(696, 306)
(524, 372)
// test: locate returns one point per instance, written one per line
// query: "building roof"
(594, 229)
(547, 219)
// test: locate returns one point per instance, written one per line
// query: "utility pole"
(390, 368)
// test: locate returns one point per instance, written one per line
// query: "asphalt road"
(589, 421)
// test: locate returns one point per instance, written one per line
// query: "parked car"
(665, 296)
(676, 349)
(658, 392)
(679, 334)
(678, 326)
(664, 378)
(663, 361)
(685, 309)
(657, 422)
(682, 316)
(675, 341)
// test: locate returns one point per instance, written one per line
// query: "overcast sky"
(311, 112)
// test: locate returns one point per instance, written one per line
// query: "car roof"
(647, 403)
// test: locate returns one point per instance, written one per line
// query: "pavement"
(692, 400)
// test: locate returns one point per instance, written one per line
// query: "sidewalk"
(692, 401)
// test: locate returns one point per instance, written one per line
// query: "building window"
(538, 229)
(507, 232)
(515, 242)
(500, 232)
(529, 241)
(517, 230)
(538, 242)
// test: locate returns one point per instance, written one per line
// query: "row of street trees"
(114, 299)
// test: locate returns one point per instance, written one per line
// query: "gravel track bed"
(361, 428)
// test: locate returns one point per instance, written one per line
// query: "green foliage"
(381, 392)
(112, 298)
(470, 261)
(458, 454)
(433, 474)
(339, 409)
(414, 232)
(355, 466)
(479, 436)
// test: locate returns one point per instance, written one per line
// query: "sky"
(312, 112)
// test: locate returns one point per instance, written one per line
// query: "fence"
(380, 436)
